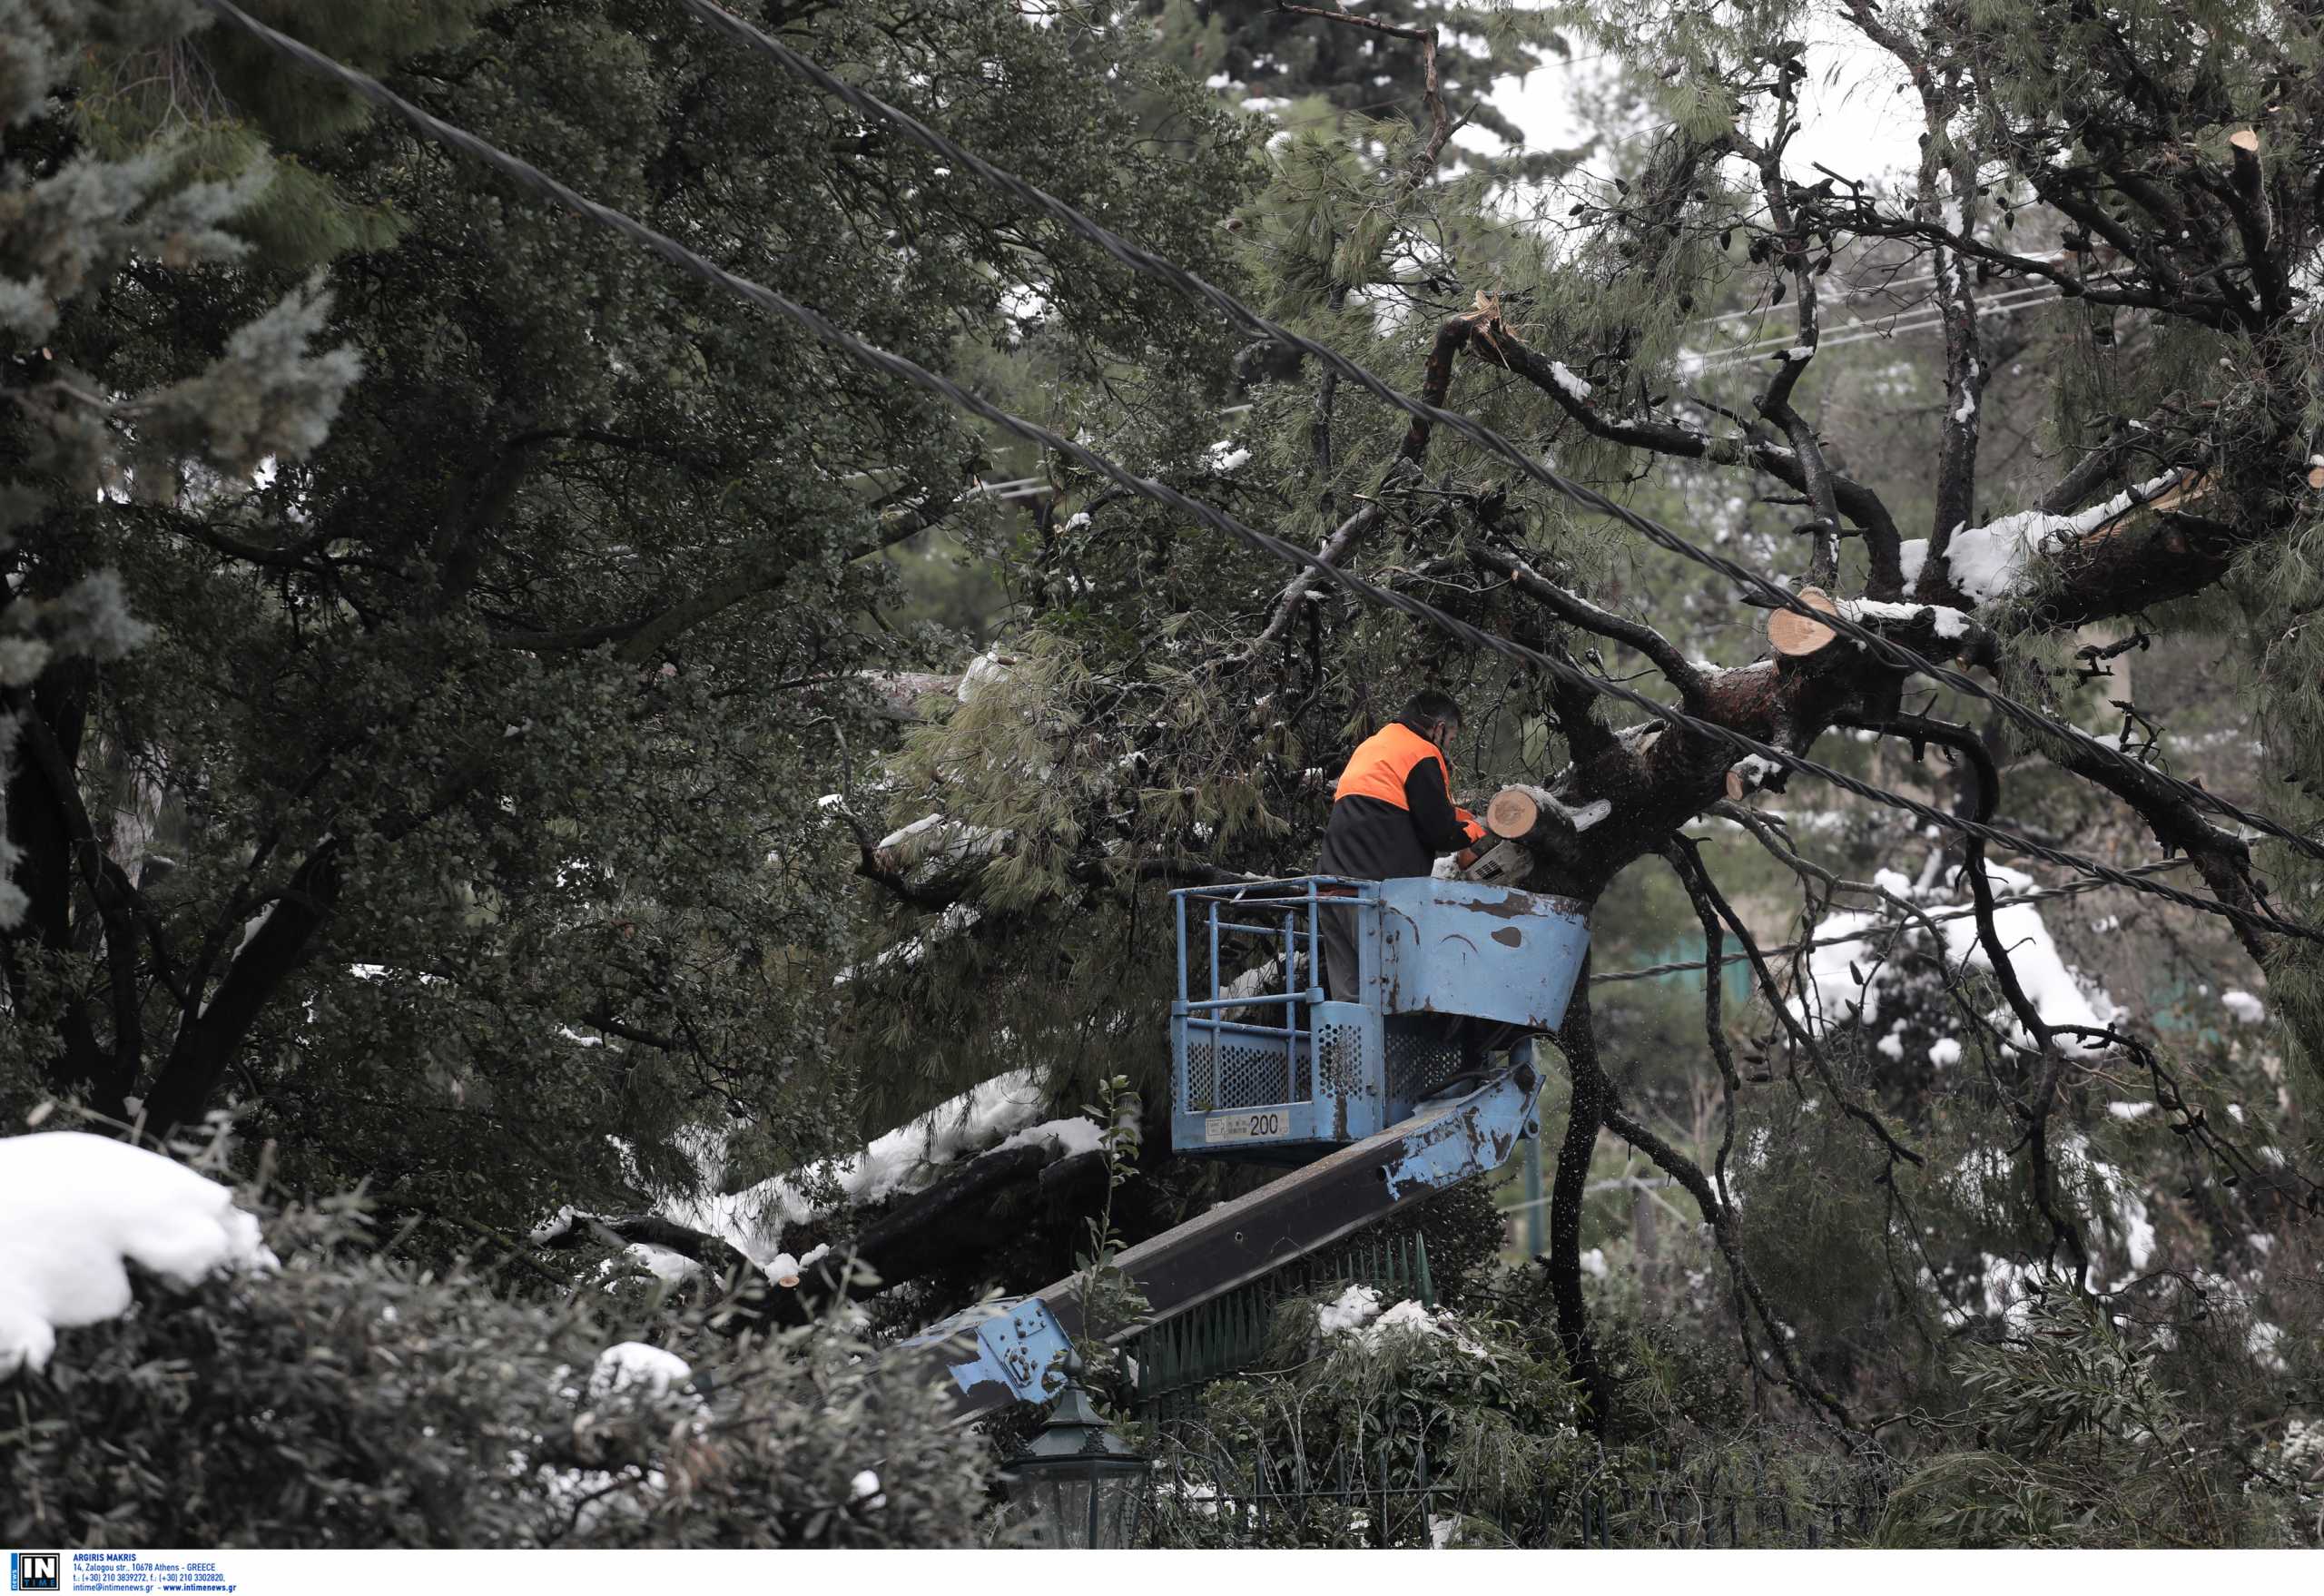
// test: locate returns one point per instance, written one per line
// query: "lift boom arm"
(1001, 1352)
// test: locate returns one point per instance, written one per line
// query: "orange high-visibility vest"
(1384, 761)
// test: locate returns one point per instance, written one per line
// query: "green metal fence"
(1228, 1335)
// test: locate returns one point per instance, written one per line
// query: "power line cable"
(1845, 295)
(846, 343)
(1152, 265)
(2065, 889)
(1919, 315)
(1994, 310)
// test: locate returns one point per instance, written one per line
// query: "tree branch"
(1857, 502)
(1578, 611)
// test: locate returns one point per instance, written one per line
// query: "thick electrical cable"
(839, 338)
(1167, 271)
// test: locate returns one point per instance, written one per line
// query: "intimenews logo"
(36, 1571)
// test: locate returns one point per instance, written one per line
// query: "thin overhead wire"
(1824, 296)
(1993, 311)
(2064, 889)
(846, 343)
(1919, 315)
(1167, 271)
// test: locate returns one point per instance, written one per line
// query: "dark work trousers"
(1336, 926)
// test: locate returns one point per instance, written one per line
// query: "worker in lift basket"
(1393, 815)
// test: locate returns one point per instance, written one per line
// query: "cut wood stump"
(1517, 812)
(1795, 635)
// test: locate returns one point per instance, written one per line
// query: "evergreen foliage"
(463, 790)
(515, 728)
(348, 1400)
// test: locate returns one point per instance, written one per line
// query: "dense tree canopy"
(470, 737)
(517, 727)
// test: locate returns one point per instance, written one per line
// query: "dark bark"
(924, 1235)
(49, 827)
(1577, 1040)
(207, 1040)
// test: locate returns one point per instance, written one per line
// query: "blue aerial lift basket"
(1264, 1065)
(1355, 1095)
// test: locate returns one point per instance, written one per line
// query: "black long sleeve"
(1431, 806)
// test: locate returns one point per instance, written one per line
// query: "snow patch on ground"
(76, 1209)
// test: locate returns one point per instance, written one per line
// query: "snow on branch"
(1006, 1111)
(1985, 562)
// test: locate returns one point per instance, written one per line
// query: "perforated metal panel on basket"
(1341, 1048)
(1239, 1072)
(1420, 1057)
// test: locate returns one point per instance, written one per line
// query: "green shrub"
(352, 1399)
(2068, 1439)
(1344, 1426)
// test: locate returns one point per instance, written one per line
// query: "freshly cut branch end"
(1516, 813)
(1793, 635)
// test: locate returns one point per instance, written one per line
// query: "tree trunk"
(1579, 1042)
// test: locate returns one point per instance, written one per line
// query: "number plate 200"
(1267, 1125)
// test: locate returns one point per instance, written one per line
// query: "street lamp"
(1082, 1483)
